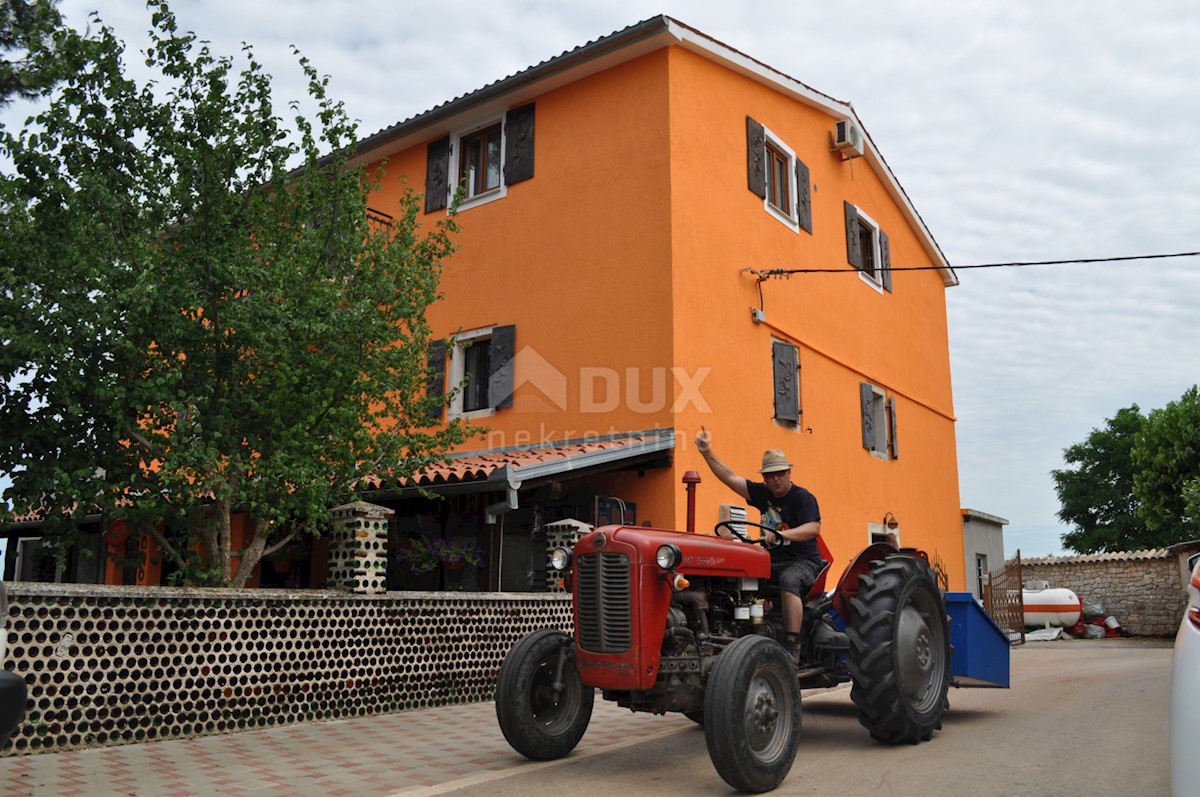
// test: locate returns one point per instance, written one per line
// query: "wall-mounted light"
(890, 521)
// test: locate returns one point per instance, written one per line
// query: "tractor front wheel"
(752, 714)
(899, 651)
(542, 706)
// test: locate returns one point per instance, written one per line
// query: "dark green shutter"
(437, 174)
(501, 351)
(885, 261)
(852, 250)
(437, 377)
(895, 436)
(756, 152)
(866, 396)
(785, 365)
(803, 197)
(518, 144)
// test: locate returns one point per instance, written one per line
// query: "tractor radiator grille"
(602, 603)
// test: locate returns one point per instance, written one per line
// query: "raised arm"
(719, 468)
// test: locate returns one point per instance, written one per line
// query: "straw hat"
(774, 460)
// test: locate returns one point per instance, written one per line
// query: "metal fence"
(1003, 600)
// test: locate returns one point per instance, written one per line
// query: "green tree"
(1096, 495)
(1167, 461)
(28, 33)
(199, 313)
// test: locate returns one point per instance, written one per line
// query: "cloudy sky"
(1021, 131)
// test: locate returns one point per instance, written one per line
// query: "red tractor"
(683, 622)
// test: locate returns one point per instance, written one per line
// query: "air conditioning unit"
(847, 139)
(735, 513)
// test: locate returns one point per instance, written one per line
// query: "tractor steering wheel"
(732, 525)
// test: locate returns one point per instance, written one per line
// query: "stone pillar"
(358, 548)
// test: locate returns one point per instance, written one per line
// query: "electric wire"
(786, 272)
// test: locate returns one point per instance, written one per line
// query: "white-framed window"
(484, 159)
(482, 365)
(477, 163)
(868, 249)
(877, 532)
(470, 367)
(878, 412)
(779, 177)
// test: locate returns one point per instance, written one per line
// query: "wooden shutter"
(803, 197)
(786, 372)
(501, 350)
(518, 144)
(756, 152)
(852, 250)
(895, 439)
(437, 376)
(437, 174)
(885, 261)
(866, 396)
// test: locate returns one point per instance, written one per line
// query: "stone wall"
(118, 665)
(1145, 591)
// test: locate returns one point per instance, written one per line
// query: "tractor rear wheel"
(899, 651)
(752, 714)
(539, 721)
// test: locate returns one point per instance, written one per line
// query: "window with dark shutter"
(893, 435)
(786, 368)
(518, 144)
(853, 252)
(502, 350)
(437, 174)
(756, 170)
(885, 261)
(803, 197)
(866, 396)
(437, 376)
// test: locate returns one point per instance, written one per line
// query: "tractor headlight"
(560, 559)
(668, 557)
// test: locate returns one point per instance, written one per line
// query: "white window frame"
(876, 282)
(458, 371)
(877, 532)
(792, 221)
(455, 154)
(882, 422)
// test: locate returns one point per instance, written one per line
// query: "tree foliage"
(28, 32)
(1136, 482)
(1096, 495)
(199, 313)
(1166, 457)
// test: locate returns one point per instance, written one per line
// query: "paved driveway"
(1082, 718)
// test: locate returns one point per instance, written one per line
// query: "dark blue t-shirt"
(795, 509)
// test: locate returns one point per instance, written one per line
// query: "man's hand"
(703, 441)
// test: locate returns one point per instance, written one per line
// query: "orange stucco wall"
(620, 265)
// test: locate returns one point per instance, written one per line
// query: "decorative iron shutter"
(852, 250)
(518, 144)
(785, 367)
(895, 438)
(437, 174)
(756, 151)
(502, 349)
(866, 396)
(885, 261)
(803, 197)
(437, 376)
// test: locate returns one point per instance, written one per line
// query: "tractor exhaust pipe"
(691, 479)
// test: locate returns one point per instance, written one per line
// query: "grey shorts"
(796, 577)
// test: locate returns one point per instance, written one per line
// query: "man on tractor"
(793, 523)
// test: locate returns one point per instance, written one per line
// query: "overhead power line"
(783, 272)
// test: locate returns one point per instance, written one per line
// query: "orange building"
(623, 207)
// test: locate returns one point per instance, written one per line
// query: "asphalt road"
(1082, 718)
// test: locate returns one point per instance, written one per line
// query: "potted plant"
(423, 555)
